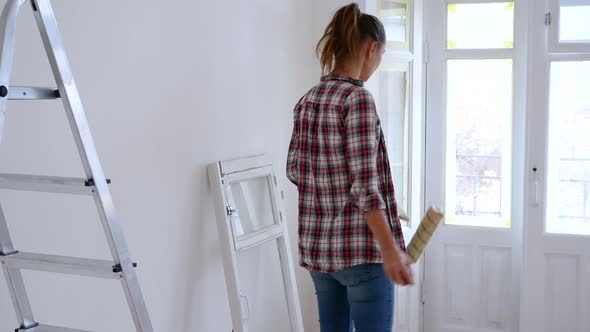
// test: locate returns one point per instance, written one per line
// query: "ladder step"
(32, 93)
(49, 328)
(62, 264)
(49, 184)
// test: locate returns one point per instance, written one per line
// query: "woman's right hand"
(395, 262)
(397, 267)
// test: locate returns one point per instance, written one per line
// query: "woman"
(350, 236)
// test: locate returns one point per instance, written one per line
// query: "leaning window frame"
(221, 175)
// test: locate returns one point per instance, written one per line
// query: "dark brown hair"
(345, 35)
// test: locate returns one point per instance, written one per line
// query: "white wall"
(168, 89)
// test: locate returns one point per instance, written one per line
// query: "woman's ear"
(374, 48)
(368, 49)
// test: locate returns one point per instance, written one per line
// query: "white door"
(474, 164)
(556, 280)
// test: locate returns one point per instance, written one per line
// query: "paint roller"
(425, 231)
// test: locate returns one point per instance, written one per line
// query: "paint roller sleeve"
(425, 231)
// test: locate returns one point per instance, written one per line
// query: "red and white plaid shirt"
(338, 161)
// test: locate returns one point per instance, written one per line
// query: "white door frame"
(541, 247)
(434, 192)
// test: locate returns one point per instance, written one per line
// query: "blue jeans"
(357, 299)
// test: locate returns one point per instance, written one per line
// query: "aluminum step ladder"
(95, 183)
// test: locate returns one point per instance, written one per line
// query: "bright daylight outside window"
(573, 21)
(394, 15)
(393, 97)
(568, 190)
(477, 26)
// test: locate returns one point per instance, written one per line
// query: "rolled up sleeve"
(292, 158)
(361, 135)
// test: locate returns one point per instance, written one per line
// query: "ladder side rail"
(75, 113)
(20, 299)
(58, 60)
(7, 43)
(15, 282)
(6, 246)
(14, 279)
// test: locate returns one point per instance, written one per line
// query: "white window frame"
(478, 54)
(222, 174)
(397, 56)
(554, 45)
(401, 65)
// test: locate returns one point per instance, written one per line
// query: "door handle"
(535, 200)
(246, 314)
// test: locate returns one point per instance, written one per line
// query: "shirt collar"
(342, 79)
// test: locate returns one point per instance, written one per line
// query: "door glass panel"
(393, 14)
(254, 206)
(568, 185)
(393, 112)
(479, 124)
(263, 298)
(482, 25)
(573, 21)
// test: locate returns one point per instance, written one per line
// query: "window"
(569, 30)
(568, 190)
(573, 21)
(395, 15)
(394, 115)
(479, 110)
(393, 92)
(479, 114)
(477, 26)
(253, 206)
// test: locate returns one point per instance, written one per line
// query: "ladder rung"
(49, 328)
(32, 93)
(48, 184)
(61, 264)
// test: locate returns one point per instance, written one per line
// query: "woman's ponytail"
(345, 34)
